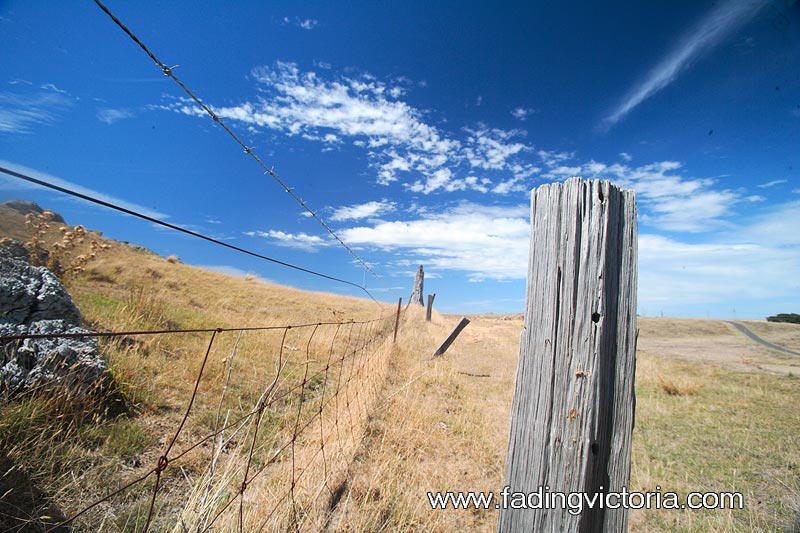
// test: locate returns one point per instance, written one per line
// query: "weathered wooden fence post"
(397, 319)
(430, 307)
(572, 414)
(416, 293)
(452, 337)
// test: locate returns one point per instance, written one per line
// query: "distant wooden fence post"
(450, 338)
(430, 307)
(573, 408)
(416, 293)
(397, 319)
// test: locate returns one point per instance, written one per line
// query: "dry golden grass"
(735, 433)
(411, 424)
(717, 343)
(674, 390)
(699, 427)
(329, 377)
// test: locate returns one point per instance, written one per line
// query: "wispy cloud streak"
(8, 183)
(706, 35)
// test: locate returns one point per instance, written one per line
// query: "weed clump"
(674, 390)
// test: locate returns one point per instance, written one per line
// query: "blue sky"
(417, 130)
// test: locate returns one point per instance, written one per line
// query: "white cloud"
(10, 183)
(776, 228)
(53, 88)
(666, 199)
(306, 24)
(366, 210)
(522, 113)
(19, 113)
(359, 109)
(486, 242)
(552, 159)
(563, 172)
(626, 156)
(772, 183)
(707, 34)
(303, 241)
(490, 148)
(742, 271)
(109, 116)
(436, 180)
(509, 186)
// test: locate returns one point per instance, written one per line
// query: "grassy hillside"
(715, 412)
(76, 455)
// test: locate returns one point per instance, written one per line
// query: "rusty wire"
(358, 350)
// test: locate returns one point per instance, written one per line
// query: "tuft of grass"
(674, 390)
(126, 437)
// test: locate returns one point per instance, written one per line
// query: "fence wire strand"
(168, 71)
(42, 183)
(318, 436)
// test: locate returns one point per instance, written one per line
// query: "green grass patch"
(126, 438)
(733, 434)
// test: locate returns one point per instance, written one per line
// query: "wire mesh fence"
(257, 428)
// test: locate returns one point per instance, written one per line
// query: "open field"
(728, 426)
(715, 411)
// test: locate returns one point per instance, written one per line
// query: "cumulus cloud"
(302, 240)
(667, 200)
(486, 242)
(366, 210)
(401, 144)
(522, 113)
(491, 148)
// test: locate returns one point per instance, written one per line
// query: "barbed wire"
(175, 227)
(168, 71)
(337, 400)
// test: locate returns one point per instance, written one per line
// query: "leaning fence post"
(430, 307)
(397, 319)
(573, 408)
(452, 337)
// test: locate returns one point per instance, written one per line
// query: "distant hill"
(25, 206)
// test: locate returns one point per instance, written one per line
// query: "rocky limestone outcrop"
(33, 301)
(25, 207)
